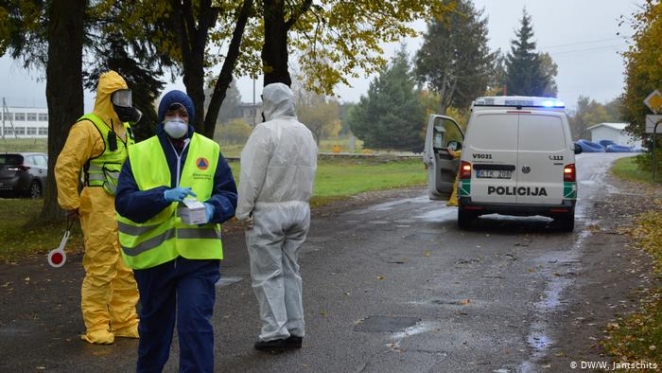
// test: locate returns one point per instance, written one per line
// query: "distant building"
(251, 113)
(23, 122)
(614, 132)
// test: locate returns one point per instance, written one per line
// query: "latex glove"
(209, 211)
(247, 223)
(177, 194)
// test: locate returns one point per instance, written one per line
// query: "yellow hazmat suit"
(109, 293)
(452, 201)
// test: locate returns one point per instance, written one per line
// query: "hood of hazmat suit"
(279, 160)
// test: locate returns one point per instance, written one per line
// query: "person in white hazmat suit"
(278, 165)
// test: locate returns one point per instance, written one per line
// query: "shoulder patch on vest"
(202, 163)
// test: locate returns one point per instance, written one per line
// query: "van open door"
(442, 132)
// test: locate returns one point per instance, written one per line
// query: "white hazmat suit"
(278, 165)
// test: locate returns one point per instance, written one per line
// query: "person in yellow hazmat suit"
(455, 154)
(93, 155)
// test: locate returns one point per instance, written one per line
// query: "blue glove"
(177, 194)
(209, 211)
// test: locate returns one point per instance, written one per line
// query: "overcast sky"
(582, 36)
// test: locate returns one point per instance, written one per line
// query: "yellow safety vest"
(104, 170)
(164, 237)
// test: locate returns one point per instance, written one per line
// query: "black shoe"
(274, 346)
(293, 342)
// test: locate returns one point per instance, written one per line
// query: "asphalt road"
(388, 287)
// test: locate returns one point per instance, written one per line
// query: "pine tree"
(391, 116)
(524, 70)
(454, 60)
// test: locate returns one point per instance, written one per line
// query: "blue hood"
(176, 97)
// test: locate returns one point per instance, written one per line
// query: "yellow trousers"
(109, 293)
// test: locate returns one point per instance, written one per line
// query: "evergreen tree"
(525, 73)
(391, 116)
(231, 106)
(454, 60)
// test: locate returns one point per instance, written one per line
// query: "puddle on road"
(390, 205)
(538, 337)
(438, 215)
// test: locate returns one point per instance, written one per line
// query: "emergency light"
(522, 101)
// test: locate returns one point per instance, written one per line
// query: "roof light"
(519, 101)
(552, 103)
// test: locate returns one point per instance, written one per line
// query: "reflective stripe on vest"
(164, 237)
(104, 170)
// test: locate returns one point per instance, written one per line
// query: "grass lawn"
(336, 179)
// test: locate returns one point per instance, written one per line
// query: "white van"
(518, 158)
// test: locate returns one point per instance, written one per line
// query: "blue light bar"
(552, 103)
(520, 101)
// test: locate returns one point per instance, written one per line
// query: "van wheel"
(567, 223)
(464, 219)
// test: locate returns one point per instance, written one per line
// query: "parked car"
(23, 174)
(589, 146)
(606, 143)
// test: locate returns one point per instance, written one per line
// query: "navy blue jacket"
(141, 206)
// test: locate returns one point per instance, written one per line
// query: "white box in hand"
(192, 212)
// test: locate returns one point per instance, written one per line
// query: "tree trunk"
(64, 88)
(274, 50)
(192, 39)
(225, 76)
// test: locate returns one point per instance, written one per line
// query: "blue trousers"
(183, 292)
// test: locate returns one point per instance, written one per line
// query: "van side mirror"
(578, 148)
(455, 145)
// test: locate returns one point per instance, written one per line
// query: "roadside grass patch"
(626, 169)
(637, 337)
(339, 178)
(20, 238)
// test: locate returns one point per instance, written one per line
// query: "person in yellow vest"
(93, 154)
(175, 264)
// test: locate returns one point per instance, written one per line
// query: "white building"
(23, 122)
(614, 132)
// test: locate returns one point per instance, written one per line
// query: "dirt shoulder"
(613, 273)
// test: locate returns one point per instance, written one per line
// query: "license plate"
(494, 174)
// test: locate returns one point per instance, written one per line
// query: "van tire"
(464, 219)
(566, 223)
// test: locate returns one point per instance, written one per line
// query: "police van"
(518, 158)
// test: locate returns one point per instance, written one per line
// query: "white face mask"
(176, 128)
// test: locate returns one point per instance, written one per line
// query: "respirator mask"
(175, 128)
